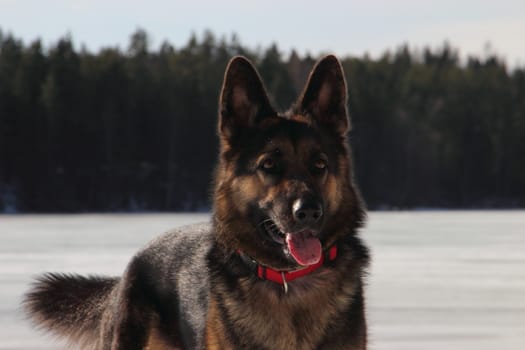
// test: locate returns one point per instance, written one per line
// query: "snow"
(439, 279)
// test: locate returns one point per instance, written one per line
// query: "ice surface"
(453, 280)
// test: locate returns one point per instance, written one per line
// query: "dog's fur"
(191, 289)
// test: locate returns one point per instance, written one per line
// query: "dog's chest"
(261, 315)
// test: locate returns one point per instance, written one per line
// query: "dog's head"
(283, 188)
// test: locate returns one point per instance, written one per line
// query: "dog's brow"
(274, 152)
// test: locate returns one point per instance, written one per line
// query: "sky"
(327, 26)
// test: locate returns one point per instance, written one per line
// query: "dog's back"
(171, 276)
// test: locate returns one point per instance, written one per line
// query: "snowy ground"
(453, 280)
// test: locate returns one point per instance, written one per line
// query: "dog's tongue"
(304, 247)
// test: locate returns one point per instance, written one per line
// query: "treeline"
(134, 129)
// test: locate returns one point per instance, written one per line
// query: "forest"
(134, 128)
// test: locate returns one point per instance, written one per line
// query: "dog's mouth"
(303, 246)
(272, 231)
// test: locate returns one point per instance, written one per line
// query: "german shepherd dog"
(280, 265)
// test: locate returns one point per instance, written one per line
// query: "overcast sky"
(341, 27)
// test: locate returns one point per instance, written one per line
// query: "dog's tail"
(70, 306)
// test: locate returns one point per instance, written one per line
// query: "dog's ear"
(324, 98)
(243, 101)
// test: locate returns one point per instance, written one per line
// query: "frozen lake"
(439, 280)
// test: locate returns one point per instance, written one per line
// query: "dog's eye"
(320, 164)
(268, 164)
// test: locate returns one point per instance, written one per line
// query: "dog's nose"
(307, 212)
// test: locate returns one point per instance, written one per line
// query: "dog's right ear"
(243, 101)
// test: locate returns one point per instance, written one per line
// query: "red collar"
(282, 277)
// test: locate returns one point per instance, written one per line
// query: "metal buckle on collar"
(285, 284)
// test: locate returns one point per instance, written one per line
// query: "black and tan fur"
(190, 289)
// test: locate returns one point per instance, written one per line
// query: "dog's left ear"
(244, 101)
(324, 98)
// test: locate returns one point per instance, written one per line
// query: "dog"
(279, 266)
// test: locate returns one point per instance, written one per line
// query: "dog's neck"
(283, 277)
(266, 313)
